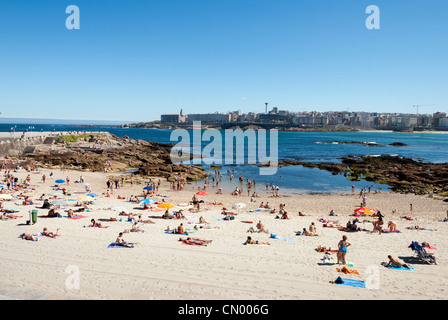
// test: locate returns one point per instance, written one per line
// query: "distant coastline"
(255, 126)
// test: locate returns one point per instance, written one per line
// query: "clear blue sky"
(135, 59)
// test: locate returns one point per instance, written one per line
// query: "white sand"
(160, 267)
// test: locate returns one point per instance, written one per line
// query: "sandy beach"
(161, 267)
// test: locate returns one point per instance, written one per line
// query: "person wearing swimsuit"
(343, 244)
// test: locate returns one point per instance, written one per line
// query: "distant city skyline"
(132, 61)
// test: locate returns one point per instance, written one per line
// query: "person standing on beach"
(342, 249)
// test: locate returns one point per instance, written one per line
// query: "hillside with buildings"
(288, 120)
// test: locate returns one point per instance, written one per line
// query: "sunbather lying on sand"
(28, 236)
(49, 234)
(140, 219)
(307, 233)
(5, 216)
(396, 263)
(325, 250)
(205, 227)
(95, 224)
(250, 241)
(195, 241)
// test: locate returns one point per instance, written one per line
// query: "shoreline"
(160, 267)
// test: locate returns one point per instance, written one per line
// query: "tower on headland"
(266, 107)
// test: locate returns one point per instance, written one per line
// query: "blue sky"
(133, 60)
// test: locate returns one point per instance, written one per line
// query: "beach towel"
(75, 217)
(245, 221)
(300, 233)
(350, 282)
(224, 219)
(173, 232)
(114, 245)
(33, 237)
(274, 236)
(347, 270)
(334, 261)
(389, 231)
(411, 268)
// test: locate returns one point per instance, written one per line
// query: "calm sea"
(305, 146)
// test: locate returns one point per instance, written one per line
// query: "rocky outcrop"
(106, 152)
(401, 174)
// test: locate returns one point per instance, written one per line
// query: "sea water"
(303, 146)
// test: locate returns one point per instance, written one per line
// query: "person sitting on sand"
(261, 205)
(250, 241)
(313, 228)
(179, 215)
(202, 220)
(53, 214)
(351, 226)
(46, 204)
(167, 215)
(136, 228)
(284, 216)
(332, 214)
(377, 225)
(49, 234)
(180, 229)
(120, 242)
(396, 263)
(70, 213)
(261, 227)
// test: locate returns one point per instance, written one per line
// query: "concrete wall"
(15, 147)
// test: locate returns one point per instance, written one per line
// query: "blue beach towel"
(114, 245)
(274, 236)
(411, 268)
(172, 232)
(350, 282)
